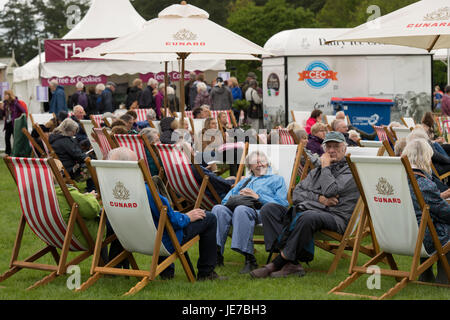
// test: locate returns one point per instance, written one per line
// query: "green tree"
(259, 23)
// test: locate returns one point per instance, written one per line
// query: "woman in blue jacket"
(261, 185)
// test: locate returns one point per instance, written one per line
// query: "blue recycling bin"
(364, 112)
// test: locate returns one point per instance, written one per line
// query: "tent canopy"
(311, 42)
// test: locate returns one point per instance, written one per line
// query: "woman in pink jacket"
(316, 116)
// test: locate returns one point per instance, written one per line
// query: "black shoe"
(210, 276)
(249, 267)
(220, 260)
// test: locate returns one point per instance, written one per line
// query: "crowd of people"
(324, 199)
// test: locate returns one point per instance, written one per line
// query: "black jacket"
(146, 100)
(166, 130)
(67, 150)
(134, 94)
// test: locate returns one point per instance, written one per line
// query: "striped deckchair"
(230, 116)
(381, 133)
(133, 142)
(141, 114)
(40, 211)
(97, 120)
(104, 141)
(182, 180)
(283, 136)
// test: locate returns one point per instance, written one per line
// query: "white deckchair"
(300, 117)
(88, 126)
(408, 122)
(401, 132)
(383, 184)
(123, 192)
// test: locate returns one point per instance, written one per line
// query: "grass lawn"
(314, 285)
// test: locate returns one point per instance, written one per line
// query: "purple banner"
(63, 50)
(71, 81)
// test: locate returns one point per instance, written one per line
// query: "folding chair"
(283, 136)
(49, 152)
(230, 116)
(122, 188)
(383, 184)
(96, 120)
(155, 124)
(408, 122)
(141, 114)
(181, 178)
(104, 141)
(40, 211)
(40, 118)
(88, 128)
(381, 132)
(401, 132)
(300, 117)
(37, 150)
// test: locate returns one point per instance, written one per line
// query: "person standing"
(134, 93)
(221, 97)
(58, 101)
(92, 102)
(107, 99)
(203, 96)
(445, 103)
(147, 100)
(255, 112)
(437, 98)
(79, 98)
(12, 110)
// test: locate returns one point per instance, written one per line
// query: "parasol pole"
(182, 56)
(166, 83)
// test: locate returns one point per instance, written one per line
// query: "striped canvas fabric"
(98, 119)
(141, 114)
(382, 136)
(215, 114)
(180, 175)
(39, 203)
(132, 142)
(285, 137)
(104, 144)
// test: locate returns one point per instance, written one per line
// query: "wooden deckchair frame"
(155, 268)
(60, 258)
(402, 277)
(53, 154)
(37, 150)
(34, 122)
(404, 122)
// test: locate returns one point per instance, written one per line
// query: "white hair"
(151, 114)
(80, 85)
(418, 133)
(161, 86)
(170, 90)
(419, 153)
(201, 86)
(150, 133)
(67, 128)
(152, 81)
(354, 133)
(100, 88)
(54, 83)
(251, 156)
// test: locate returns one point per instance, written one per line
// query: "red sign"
(71, 81)
(317, 75)
(63, 50)
(428, 25)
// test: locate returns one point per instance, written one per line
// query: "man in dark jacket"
(134, 93)
(79, 98)
(326, 199)
(342, 127)
(168, 126)
(107, 103)
(146, 100)
(221, 96)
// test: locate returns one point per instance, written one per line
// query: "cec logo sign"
(317, 75)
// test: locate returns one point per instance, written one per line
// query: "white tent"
(105, 19)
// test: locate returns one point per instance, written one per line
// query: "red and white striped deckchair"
(284, 136)
(230, 116)
(133, 142)
(104, 141)
(97, 120)
(40, 211)
(182, 180)
(381, 133)
(141, 114)
(189, 114)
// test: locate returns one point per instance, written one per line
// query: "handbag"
(255, 111)
(241, 200)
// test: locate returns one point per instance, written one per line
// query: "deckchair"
(181, 178)
(37, 150)
(88, 128)
(155, 124)
(408, 122)
(104, 141)
(123, 192)
(96, 120)
(400, 132)
(40, 118)
(283, 136)
(230, 116)
(300, 117)
(330, 118)
(50, 152)
(336, 243)
(141, 114)
(40, 211)
(383, 184)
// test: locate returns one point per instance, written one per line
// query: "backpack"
(24, 105)
(83, 99)
(289, 220)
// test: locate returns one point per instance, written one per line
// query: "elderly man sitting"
(342, 127)
(325, 199)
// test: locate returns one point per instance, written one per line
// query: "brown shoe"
(263, 272)
(289, 269)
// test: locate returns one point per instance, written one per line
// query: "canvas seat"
(283, 136)
(400, 132)
(88, 128)
(40, 119)
(408, 122)
(123, 192)
(104, 141)
(383, 184)
(40, 212)
(300, 117)
(181, 179)
(141, 114)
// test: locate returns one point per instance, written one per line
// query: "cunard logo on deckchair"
(120, 192)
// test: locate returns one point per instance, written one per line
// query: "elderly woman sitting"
(315, 139)
(260, 188)
(419, 153)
